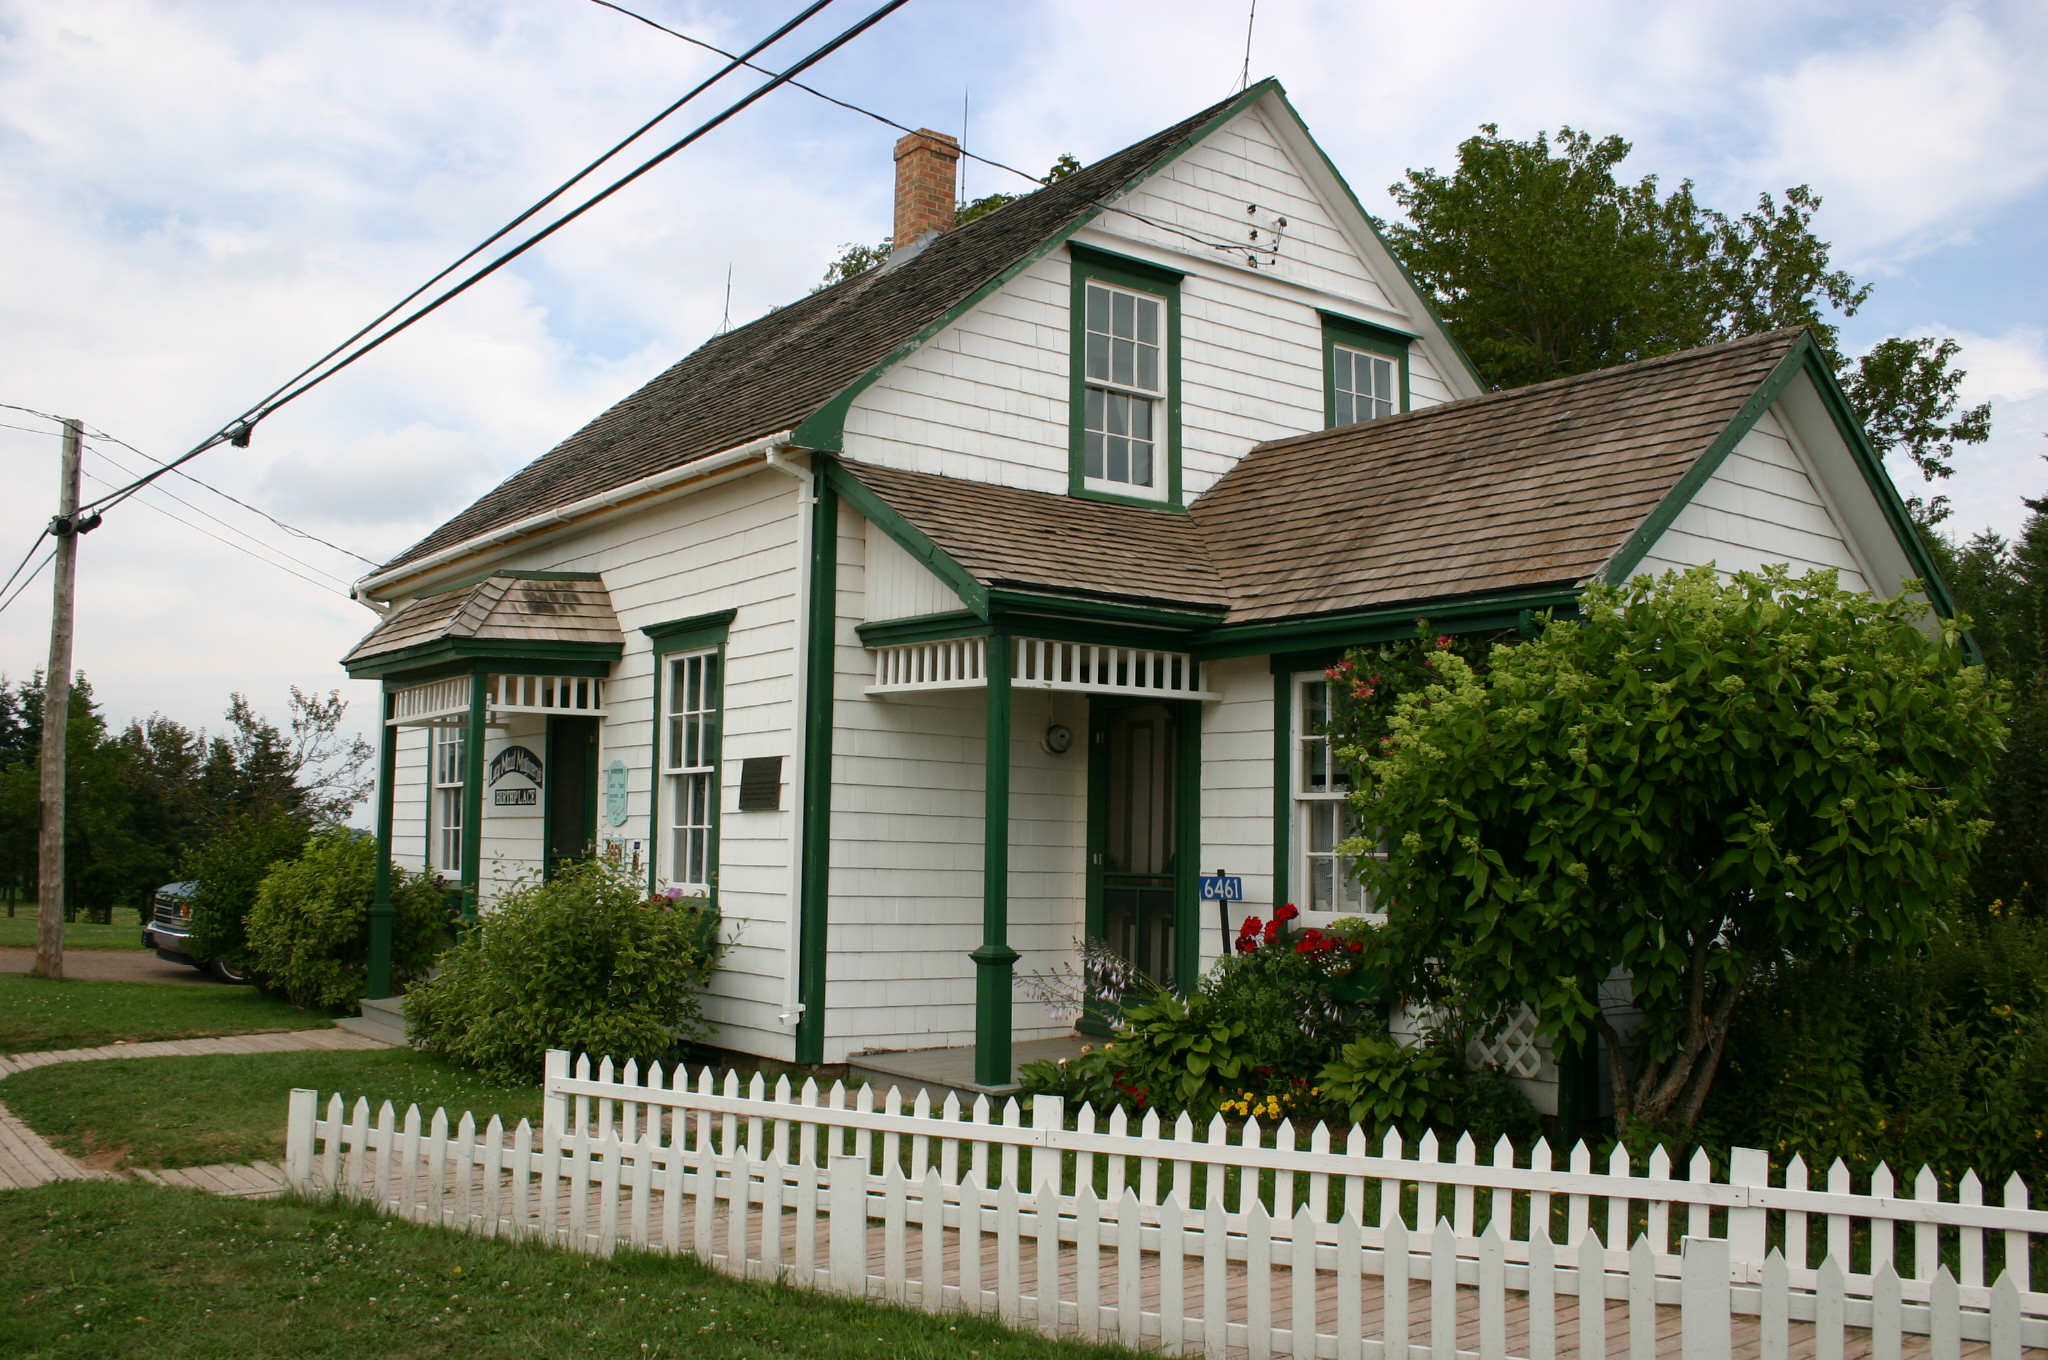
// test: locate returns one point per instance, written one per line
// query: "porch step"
(950, 1071)
(381, 1019)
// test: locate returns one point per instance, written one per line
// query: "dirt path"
(27, 1159)
(112, 965)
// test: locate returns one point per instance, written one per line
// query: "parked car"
(169, 931)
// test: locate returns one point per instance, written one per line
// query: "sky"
(198, 198)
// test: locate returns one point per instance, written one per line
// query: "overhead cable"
(230, 543)
(29, 580)
(238, 431)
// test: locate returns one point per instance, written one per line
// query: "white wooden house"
(983, 600)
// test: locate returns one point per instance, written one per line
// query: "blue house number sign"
(1222, 888)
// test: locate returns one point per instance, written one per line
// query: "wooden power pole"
(56, 719)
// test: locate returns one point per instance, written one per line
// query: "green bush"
(1381, 1084)
(309, 932)
(1938, 1059)
(584, 962)
(228, 870)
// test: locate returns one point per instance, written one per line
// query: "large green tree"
(1545, 263)
(1698, 781)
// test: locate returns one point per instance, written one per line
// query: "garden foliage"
(584, 961)
(1695, 784)
(1292, 1026)
(309, 930)
(227, 871)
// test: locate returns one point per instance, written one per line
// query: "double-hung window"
(1365, 371)
(449, 766)
(1323, 818)
(689, 767)
(1125, 441)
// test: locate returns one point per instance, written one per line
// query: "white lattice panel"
(559, 694)
(1511, 1048)
(1039, 663)
(432, 702)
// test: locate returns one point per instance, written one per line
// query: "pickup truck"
(169, 931)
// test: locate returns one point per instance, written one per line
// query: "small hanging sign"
(615, 793)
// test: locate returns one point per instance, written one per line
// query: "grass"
(36, 1013)
(231, 1107)
(19, 931)
(100, 1268)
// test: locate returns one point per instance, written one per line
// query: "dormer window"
(1126, 444)
(1365, 371)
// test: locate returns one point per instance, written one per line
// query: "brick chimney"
(925, 178)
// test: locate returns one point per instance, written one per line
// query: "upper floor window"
(1365, 371)
(1361, 385)
(1126, 440)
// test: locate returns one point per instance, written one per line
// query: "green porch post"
(994, 960)
(473, 794)
(381, 910)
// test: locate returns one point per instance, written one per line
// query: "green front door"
(1139, 870)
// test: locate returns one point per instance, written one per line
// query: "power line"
(229, 543)
(881, 118)
(47, 557)
(33, 545)
(100, 434)
(233, 529)
(238, 430)
(1212, 242)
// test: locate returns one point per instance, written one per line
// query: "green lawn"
(103, 1268)
(36, 1013)
(231, 1107)
(19, 931)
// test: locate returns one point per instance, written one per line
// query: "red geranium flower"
(1285, 912)
(1272, 931)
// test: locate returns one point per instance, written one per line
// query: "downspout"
(806, 494)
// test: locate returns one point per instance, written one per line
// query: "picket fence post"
(848, 1224)
(1705, 1332)
(298, 1139)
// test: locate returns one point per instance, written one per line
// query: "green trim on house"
(717, 622)
(957, 623)
(1283, 783)
(1631, 553)
(825, 429)
(907, 536)
(457, 656)
(821, 669)
(1187, 845)
(1334, 632)
(473, 794)
(480, 577)
(378, 985)
(1091, 265)
(1024, 604)
(1428, 306)
(699, 633)
(1359, 335)
(995, 962)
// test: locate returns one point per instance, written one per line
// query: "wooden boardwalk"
(27, 1159)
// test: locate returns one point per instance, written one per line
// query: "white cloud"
(2009, 370)
(1911, 140)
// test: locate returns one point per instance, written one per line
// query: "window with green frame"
(689, 699)
(1125, 380)
(1365, 371)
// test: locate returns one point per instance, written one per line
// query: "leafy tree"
(1694, 784)
(856, 259)
(1544, 265)
(227, 869)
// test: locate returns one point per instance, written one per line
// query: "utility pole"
(56, 718)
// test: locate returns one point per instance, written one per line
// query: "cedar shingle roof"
(774, 373)
(507, 608)
(1539, 486)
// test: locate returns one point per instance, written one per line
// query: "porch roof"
(510, 615)
(1510, 492)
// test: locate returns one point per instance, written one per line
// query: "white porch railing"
(441, 701)
(1039, 663)
(1207, 1240)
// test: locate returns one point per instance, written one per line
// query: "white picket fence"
(1242, 1241)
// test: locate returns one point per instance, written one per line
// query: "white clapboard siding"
(987, 398)
(898, 585)
(1761, 506)
(1170, 1238)
(729, 547)
(907, 780)
(409, 800)
(1237, 790)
